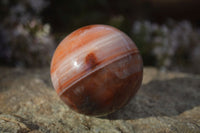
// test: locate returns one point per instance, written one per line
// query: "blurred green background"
(166, 32)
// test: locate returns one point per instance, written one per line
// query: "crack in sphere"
(96, 70)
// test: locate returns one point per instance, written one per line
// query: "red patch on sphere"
(91, 60)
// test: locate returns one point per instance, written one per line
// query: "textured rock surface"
(166, 102)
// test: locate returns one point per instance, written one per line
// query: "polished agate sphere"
(96, 70)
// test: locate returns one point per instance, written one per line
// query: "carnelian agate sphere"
(96, 70)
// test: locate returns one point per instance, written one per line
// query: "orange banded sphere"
(96, 70)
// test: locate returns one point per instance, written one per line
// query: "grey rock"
(166, 102)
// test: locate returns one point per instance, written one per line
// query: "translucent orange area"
(77, 39)
(75, 77)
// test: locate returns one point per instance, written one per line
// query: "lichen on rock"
(166, 102)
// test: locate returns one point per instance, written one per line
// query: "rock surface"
(166, 102)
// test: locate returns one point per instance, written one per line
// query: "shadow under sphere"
(161, 98)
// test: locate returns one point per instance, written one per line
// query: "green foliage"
(24, 39)
(167, 45)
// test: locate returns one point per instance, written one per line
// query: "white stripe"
(104, 47)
